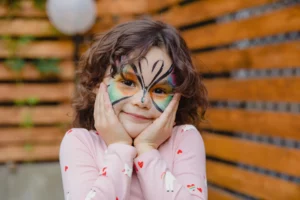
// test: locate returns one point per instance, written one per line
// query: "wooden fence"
(242, 48)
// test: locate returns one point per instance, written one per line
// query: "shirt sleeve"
(82, 178)
(187, 178)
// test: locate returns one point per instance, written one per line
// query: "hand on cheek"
(160, 130)
(106, 121)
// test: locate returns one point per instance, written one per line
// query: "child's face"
(144, 92)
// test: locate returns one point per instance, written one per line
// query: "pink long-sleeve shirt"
(93, 171)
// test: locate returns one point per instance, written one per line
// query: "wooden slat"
(43, 27)
(209, 9)
(34, 27)
(43, 92)
(29, 72)
(121, 7)
(285, 125)
(45, 49)
(253, 184)
(260, 57)
(38, 114)
(106, 23)
(217, 194)
(276, 22)
(267, 156)
(282, 89)
(104, 7)
(26, 9)
(35, 135)
(37, 153)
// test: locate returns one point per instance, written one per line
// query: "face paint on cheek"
(162, 103)
(172, 80)
(115, 93)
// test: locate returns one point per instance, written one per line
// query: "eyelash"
(128, 83)
(131, 83)
(162, 91)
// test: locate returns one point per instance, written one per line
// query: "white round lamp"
(72, 17)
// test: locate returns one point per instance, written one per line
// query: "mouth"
(141, 117)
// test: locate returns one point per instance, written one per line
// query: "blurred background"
(248, 52)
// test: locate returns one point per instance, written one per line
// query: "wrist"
(143, 148)
(123, 142)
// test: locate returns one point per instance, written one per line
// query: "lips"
(137, 116)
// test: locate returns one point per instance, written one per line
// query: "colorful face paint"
(162, 93)
(120, 88)
(160, 88)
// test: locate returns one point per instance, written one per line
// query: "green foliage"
(13, 44)
(10, 43)
(25, 40)
(32, 101)
(12, 4)
(19, 102)
(27, 121)
(15, 64)
(40, 4)
(28, 147)
(47, 66)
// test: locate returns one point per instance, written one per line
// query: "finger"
(96, 104)
(172, 105)
(174, 112)
(171, 108)
(107, 103)
(101, 103)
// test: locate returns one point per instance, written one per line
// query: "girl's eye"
(159, 91)
(128, 83)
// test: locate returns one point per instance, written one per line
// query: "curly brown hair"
(123, 39)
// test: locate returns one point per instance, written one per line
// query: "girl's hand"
(160, 130)
(106, 122)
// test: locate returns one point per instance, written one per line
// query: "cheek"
(116, 92)
(118, 107)
(162, 101)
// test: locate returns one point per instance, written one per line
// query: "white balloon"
(72, 16)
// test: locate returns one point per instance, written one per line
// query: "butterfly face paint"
(119, 87)
(146, 89)
(159, 84)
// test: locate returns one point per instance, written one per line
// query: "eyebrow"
(164, 82)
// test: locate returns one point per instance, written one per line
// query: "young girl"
(137, 106)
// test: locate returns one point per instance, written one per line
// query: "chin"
(134, 129)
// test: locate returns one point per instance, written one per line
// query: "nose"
(142, 99)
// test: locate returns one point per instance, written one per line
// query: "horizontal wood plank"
(132, 7)
(34, 27)
(108, 22)
(38, 114)
(217, 194)
(56, 92)
(260, 57)
(209, 9)
(281, 124)
(45, 49)
(278, 21)
(29, 72)
(26, 8)
(43, 27)
(104, 7)
(34, 135)
(282, 89)
(253, 184)
(34, 153)
(266, 156)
